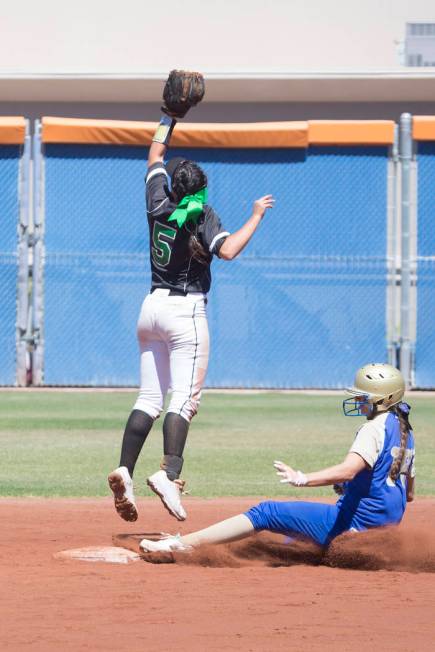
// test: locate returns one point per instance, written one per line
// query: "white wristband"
(301, 479)
(164, 130)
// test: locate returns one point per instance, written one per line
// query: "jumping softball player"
(185, 234)
(375, 480)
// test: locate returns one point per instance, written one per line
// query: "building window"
(420, 43)
(421, 29)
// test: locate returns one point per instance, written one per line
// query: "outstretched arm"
(161, 140)
(344, 472)
(157, 153)
(237, 241)
(183, 89)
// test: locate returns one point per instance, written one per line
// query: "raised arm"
(156, 154)
(183, 89)
(344, 472)
(161, 140)
(238, 240)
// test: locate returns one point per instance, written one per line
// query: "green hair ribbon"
(189, 208)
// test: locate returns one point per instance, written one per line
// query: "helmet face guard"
(352, 407)
(377, 387)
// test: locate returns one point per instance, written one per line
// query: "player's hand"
(260, 205)
(289, 475)
(285, 472)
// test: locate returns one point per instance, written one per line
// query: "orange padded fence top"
(222, 135)
(350, 132)
(117, 132)
(12, 130)
(423, 127)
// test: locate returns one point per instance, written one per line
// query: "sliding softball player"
(185, 233)
(376, 478)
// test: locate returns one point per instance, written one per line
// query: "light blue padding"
(302, 307)
(96, 270)
(425, 347)
(305, 304)
(9, 215)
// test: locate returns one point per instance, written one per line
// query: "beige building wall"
(140, 36)
(275, 60)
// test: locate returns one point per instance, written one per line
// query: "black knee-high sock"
(175, 430)
(136, 431)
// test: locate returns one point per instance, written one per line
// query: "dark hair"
(401, 411)
(187, 179)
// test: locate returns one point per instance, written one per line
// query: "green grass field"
(65, 443)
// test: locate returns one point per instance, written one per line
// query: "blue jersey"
(372, 499)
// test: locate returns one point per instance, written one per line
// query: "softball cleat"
(121, 485)
(169, 493)
(169, 543)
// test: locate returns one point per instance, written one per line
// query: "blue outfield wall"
(425, 344)
(96, 267)
(9, 214)
(303, 306)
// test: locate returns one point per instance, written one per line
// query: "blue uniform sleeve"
(157, 190)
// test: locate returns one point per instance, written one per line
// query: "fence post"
(393, 254)
(37, 265)
(405, 155)
(23, 264)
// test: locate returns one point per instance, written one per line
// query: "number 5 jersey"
(174, 265)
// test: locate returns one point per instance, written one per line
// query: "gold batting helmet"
(382, 383)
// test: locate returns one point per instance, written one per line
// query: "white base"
(108, 554)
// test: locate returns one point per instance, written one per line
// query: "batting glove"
(289, 475)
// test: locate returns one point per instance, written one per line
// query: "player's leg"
(154, 363)
(188, 357)
(165, 483)
(154, 367)
(188, 343)
(138, 425)
(232, 529)
(313, 521)
(148, 406)
(188, 360)
(297, 519)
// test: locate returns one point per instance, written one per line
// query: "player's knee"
(150, 403)
(186, 407)
(259, 515)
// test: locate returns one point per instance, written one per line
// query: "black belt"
(172, 293)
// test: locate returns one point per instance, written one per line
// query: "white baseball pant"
(174, 347)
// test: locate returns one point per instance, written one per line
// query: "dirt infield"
(254, 595)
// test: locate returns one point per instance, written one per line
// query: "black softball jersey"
(172, 265)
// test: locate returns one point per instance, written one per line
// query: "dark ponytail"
(197, 251)
(401, 411)
(187, 179)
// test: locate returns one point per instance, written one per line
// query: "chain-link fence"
(301, 307)
(13, 262)
(95, 266)
(425, 336)
(305, 302)
(327, 282)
